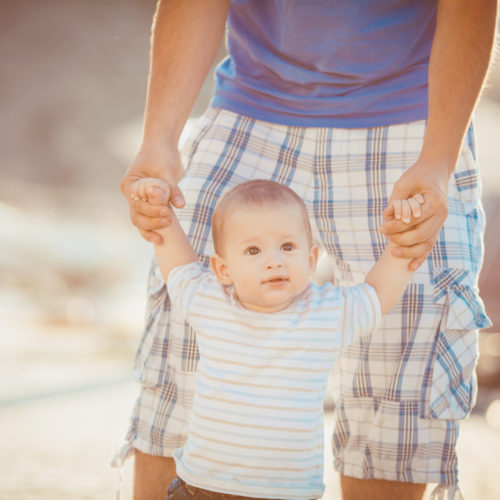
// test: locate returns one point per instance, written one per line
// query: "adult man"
(343, 89)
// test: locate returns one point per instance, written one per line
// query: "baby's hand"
(148, 194)
(404, 210)
(150, 190)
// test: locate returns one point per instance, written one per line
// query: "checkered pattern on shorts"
(401, 391)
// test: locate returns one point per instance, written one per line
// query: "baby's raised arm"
(390, 275)
(176, 249)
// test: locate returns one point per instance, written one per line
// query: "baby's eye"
(252, 250)
(288, 246)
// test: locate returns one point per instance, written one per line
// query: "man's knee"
(152, 475)
(379, 489)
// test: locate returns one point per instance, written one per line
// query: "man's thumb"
(176, 197)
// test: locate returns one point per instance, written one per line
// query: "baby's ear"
(219, 268)
(313, 257)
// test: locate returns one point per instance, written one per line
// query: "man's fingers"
(149, 210)
(390, 227)
(413, 252)
(416, 263)
(420, 233)
(393, 227)
(144, 223)
(176, 197)
(417, 253)
(151, 236)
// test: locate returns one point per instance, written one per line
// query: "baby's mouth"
(275, 280)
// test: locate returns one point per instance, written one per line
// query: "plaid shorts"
(401, 392)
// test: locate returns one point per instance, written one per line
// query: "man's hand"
(151, 215)
(415, 239)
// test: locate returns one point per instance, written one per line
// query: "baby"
(268, 338)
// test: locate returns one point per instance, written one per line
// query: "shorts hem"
(127, 450)
(408, 476)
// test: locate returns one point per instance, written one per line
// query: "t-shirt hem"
(295, 120)
(207, 483)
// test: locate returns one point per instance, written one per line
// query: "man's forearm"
(185, 37)
(460, 57)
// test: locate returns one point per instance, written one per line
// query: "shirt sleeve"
(362, 312)
(184, 283)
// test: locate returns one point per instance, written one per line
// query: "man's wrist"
(438, 162)
(159, 143)
(442, 145)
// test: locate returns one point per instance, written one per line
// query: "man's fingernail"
(178, 200)
(163, 212)
(164, 221)
(397, 252)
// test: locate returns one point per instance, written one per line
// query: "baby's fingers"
(402, 210)
(157, 195)
(138, 190)
(419, 198)
(396, 209)
(405, 211)
(152, 190)
(415, 209)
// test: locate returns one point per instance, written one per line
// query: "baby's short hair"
(258, 192)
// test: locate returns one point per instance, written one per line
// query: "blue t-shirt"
(332, 63)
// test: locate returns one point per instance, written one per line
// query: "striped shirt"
(257, 423)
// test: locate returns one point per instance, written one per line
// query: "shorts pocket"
(451, 393)
(449, 388)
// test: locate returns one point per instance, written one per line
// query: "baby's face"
(267, 256)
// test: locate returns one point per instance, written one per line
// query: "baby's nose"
(274, 265)
(274, 261)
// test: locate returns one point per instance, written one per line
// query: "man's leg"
(152, 476)
(404, 390)
(379, 489)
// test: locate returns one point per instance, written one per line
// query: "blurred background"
(73, 269)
